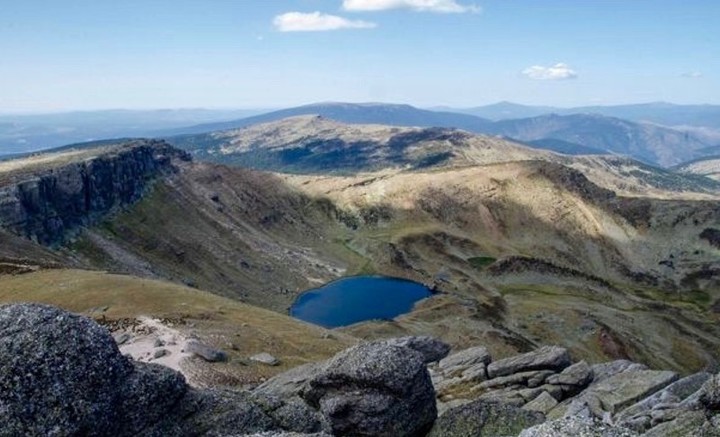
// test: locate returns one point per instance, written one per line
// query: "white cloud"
(692, 74)
(316, 22)
(444, 6)
(558, 71)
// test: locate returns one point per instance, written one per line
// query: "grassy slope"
(443, 221)
(215, 319)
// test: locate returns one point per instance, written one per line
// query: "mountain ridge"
(654, 144)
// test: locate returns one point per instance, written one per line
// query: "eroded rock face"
(547, 357)
(481, 418)
(47, 205)
(375, 389)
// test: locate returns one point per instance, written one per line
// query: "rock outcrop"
(375, 389)
(62, 374)
(47, 204)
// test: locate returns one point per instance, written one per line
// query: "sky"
(141, 54)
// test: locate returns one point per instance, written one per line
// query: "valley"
(524, 247)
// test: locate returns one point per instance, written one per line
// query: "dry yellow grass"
(239, 329)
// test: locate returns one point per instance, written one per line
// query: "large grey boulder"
(59, 373)
(547, 357)
(204, 351)
(431, 348)
(484, 419)
(147, 395)
(215, 413)
(374, 389)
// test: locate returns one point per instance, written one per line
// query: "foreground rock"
(485, 419)
(375, 389)
(62, 373)
(577, 427)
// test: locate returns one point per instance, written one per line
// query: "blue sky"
(90, 54)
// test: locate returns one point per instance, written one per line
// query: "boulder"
(148, 394)
(484, 419)
(265, 358)
(58, 371)
(431, 348)
(216, 412)
(460, 361)
(617, 392)
(545, 358)
(63, 373)
(204, 351)
(573, 379)
(542, 404)
(374, 389)
(576, 427)
(291, 413)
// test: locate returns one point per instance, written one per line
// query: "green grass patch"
(480, 262)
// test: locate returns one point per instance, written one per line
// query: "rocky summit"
(62, 374)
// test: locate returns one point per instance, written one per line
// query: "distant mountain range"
(568, 134)
(638, 131)
(357, 113)
(658, 112)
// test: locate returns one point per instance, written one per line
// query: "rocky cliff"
(48, 203)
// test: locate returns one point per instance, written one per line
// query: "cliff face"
(48, 204)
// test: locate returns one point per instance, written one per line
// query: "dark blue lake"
(357, 299)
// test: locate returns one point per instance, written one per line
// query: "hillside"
(118, 301)
(709, 167)
(314, 144)
(646, 142)
(317, 144)
(497, 240)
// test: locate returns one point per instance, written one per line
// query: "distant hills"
(658, 112)
(641, 131)
(646, 142)
(312, 144)
(357, 113)
(568, 134)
